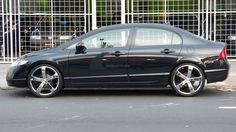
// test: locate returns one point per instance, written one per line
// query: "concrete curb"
(7, 88)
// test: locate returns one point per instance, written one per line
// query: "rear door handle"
(167, 51)
(117, 53)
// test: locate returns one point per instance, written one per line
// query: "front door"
(105, 60)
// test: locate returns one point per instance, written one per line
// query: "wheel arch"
(194, 61)
(57, 66)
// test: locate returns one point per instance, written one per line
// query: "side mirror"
(80, 48)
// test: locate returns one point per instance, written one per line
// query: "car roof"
(122, 26)
(117, 26)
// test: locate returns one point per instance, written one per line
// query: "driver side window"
(107, 39)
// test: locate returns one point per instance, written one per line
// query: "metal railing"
(31, 25)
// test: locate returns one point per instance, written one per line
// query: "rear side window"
(150, 37)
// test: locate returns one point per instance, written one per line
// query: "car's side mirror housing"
(80, 48)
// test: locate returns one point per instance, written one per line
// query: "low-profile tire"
(45, 80)
(187, 79)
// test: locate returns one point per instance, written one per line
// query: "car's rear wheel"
(187, 79)
(45, 80)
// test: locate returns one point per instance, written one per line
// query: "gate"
(210, 19)
(31, 25)
(9, 30)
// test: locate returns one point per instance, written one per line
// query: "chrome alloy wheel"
(188, 80)
(44, 80)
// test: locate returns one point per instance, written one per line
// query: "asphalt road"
(117, 111)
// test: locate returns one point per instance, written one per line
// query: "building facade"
(31, 25)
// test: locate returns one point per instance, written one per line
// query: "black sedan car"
(134, 56)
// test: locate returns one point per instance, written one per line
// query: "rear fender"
(192, 60)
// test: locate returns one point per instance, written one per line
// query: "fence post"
(11, 29)
(199, 21)
(85, 16)
(214, 20)
(94, 15)
(132, 11)
(19, 26)
(52, 24)
(165, 11)
(122, 11)
(3, 33)
(207, 4)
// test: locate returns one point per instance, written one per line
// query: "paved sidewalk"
(3, 83)
(227, 85)
(233, 68)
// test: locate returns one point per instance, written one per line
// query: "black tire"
(58, 80)
(197, 73)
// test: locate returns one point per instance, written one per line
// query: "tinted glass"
(107, 39)
(148, 37)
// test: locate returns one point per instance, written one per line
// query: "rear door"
(153, 54)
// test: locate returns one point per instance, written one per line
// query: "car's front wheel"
(187, 79)
(45, 80)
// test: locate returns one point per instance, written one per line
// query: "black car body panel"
(125, 66)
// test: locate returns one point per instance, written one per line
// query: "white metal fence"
(30, 25)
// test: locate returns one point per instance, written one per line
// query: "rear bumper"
(216, 75)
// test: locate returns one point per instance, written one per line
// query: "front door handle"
(117, 53)
(167, 51)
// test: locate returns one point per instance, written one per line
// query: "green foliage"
(44, 5)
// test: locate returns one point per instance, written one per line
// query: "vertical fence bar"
(14, 28)
(11, 32)
(128, 11)
(52, 25)
(210, 28)
(8, 33)
(3, 33)
(88, 15)
(132, 11)
(198, 18)
(85, 16)
(94, 15)
(122, 11)
(203, 19)
(165, 11)
(19, 21)
(16, 51)
(207, 4)
(214, 20)
(6, 24)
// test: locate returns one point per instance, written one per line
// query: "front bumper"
(17, 83)
(16, 76)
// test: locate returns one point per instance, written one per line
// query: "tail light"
(223, 54)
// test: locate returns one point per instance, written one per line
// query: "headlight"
(19, 62)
